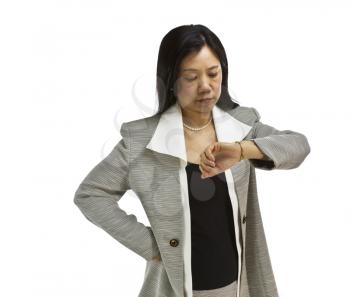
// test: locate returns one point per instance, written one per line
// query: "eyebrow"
(193, 69)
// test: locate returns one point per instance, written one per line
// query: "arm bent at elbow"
(285, 149)
(98, 195)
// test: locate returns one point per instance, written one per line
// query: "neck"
(195, 119)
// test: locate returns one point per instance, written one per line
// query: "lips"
(205, 99)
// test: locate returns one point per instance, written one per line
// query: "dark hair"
(175, 45)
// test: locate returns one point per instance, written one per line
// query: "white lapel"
(169, 138)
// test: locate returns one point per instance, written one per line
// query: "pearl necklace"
(198, 129)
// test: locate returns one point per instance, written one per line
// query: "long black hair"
(175, 45)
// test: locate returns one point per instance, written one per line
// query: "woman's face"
(199, 77)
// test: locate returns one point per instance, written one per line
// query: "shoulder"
(245, 114)
(143, 127)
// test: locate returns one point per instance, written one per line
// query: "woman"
(192, 165)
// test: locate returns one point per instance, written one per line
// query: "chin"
(204, 104)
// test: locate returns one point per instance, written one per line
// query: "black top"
(214, 250)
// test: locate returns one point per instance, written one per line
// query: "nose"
(204, 84)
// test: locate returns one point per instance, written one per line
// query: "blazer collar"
(169, 138)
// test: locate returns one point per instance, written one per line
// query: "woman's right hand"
(218, 157)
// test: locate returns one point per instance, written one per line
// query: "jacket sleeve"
(98, 194)
(284, 149)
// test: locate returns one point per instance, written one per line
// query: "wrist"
(241, 150)
(250, 150)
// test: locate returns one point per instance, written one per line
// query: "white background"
(72, 71)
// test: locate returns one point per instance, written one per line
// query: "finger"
(204, 162)
(206, 174)
(205, 170)
(209, 152)
(202, 169)
(208, 161)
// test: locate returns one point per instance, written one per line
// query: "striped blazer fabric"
(150, 160)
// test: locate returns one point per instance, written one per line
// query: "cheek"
(187, 90)
(218, 85)
(218, 88)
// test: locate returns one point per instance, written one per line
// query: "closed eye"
(211, 75)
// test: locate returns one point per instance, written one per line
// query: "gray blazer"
(150, 160)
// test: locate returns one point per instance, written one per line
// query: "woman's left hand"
(218, 157)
